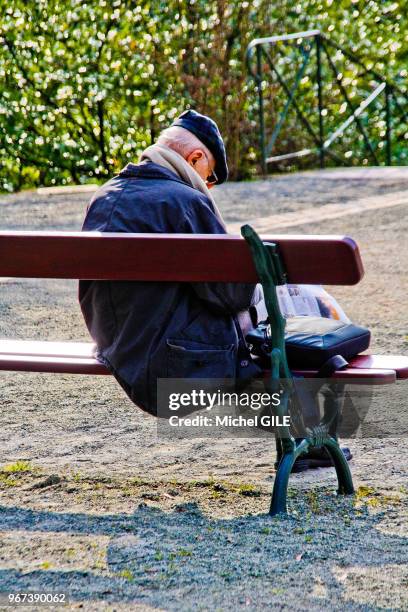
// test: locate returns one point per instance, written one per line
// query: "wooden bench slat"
(51, 365)
(60, 365)
(321, 259)
(372, 376)
(86, 350)
(399, 363)
(78, 358)
(38, 348)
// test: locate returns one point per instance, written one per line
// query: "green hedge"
(86, 85)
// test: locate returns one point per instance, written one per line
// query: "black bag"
(311, 341)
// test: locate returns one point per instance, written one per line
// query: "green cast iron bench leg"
(280, 486)
(271, 273)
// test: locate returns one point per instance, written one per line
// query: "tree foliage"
(87, 84)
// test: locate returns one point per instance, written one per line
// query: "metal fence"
(317, 62)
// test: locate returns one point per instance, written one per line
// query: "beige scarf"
(164, 156)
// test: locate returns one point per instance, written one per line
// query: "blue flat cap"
(207, 131)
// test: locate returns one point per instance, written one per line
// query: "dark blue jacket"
(147, 330)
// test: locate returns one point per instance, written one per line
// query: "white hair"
(182, 141)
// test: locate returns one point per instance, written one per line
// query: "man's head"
(197, 138)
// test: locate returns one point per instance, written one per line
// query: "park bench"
(330, 260)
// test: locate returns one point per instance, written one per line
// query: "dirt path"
(131, 518)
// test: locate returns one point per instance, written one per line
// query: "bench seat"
(79, 358)
(190, 258)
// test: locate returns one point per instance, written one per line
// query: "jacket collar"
(149, 170)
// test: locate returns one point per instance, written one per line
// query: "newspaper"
(306, 301)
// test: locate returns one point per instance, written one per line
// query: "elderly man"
(146, 331)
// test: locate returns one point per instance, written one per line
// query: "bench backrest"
(333, 260)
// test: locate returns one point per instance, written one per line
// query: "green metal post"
(261, 107)
(388, 124)
(320, 98)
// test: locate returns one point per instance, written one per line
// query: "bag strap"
(244, 354)
(337, 362)
(247, 369)
(307, 393)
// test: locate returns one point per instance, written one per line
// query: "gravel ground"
(95, 504)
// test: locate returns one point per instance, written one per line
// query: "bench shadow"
(179, 559)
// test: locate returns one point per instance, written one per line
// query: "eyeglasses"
(212, 179)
